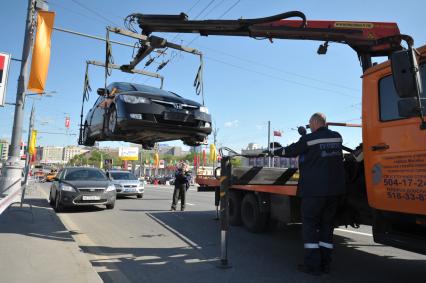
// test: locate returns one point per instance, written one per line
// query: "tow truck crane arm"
(368, 39)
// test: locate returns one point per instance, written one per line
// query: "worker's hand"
(267, 152)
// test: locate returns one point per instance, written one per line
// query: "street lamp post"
(11, 176)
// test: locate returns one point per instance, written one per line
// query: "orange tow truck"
(386, 175)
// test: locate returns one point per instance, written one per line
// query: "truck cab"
(394, 148)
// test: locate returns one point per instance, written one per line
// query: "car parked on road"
(79, 186)
(145, 115)
(51, 175)
(126, 183)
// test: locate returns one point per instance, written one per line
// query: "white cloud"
(231, 124)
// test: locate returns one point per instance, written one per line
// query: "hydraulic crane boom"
(368, 39)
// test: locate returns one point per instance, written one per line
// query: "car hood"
(87, 184)
(168, 98)
(126, 182)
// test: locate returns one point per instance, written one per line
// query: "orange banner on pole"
(41, 52)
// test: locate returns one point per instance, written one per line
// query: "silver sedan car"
(126, 184)
(78, 186)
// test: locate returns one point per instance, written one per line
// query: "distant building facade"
(71, 151)
(52, 154)
(4, 150)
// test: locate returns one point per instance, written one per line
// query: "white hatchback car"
(126, 183)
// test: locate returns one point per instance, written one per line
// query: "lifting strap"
(198, 82)
(108, 57)
(86, 92)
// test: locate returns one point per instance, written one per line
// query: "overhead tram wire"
(95, 12)
(178, 34)
(205, 8)
(223, 14)
(271, 76)
(279, 78)
(257, 63)
(75, 12)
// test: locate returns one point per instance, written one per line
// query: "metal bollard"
(225, 182)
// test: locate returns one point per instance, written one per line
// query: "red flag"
(195, 159)
(277, 134)
(67, 122)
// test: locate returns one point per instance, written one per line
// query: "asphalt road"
(142, 241)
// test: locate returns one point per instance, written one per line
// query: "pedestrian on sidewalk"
(182, 179)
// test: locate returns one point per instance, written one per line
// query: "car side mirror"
(406, 73)
(102, 91)
(409, 107)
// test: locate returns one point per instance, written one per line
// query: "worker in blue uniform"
(321, 183)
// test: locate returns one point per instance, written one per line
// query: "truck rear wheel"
(235, 208)
(253, 218)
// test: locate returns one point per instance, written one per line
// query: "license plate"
(91, 197)
(130, 190)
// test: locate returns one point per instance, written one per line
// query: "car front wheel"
(110, 205)
(86, 136)
(112, 121)
(51, 201)
(58, 204)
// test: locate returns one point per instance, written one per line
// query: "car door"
(394, 147)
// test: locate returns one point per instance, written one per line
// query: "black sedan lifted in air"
(145, 115)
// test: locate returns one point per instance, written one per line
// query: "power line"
(205, 8)
(94, 12)
(74, 12)
(230, 8)
(257, 63)
(211, 2)
(280, 78)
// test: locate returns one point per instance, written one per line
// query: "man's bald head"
(317, 121)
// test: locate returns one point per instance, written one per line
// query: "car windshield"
(84, 174)
(153, 90)
(124, 86)
(123, 176)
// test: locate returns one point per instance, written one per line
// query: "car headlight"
(135, 99)
(67, 188)
(204, 109)
(110, 188)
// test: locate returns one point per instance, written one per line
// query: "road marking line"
(354, 232)
(82, 239)
(190, 203)
(179, 235)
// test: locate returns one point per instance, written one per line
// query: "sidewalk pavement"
(36, 247)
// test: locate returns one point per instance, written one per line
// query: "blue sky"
(247, 81)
